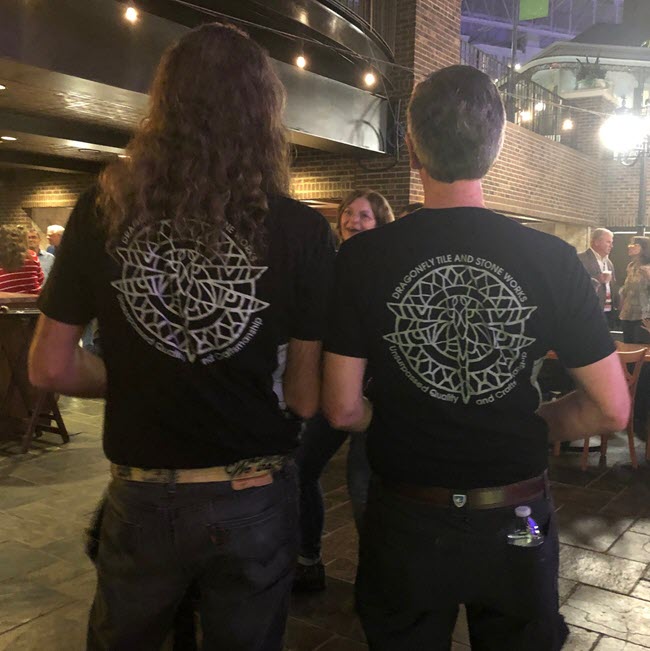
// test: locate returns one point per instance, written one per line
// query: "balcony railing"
(527, 104)
(380, 15)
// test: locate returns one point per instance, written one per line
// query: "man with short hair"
(46, 259)
(54, 235)
(453, 309)
(603, 278)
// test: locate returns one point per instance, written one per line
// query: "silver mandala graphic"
(460, 330)
(188, 300)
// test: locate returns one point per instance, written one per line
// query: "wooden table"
(24, 410)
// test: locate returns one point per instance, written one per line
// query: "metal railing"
(380, 15)
(527, 103)
(494, 67)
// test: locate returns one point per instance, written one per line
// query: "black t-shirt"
(191, 333)
(455, 310)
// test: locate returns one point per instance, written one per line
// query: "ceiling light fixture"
(131, 14)
(123, 156)
(567, 125)
(301, 62)
(8, 138)
(87, 150)
(369, 79)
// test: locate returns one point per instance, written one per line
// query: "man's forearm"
(573, 417)
(83, 376)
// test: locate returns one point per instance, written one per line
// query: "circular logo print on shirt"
(189, 300)
(459, 329)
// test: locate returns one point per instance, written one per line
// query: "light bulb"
(369, 79)
(567, 125)
(623, 133)
(131, 14)
(301, 62)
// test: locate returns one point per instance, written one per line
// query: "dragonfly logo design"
(459, 331)
(190, 301)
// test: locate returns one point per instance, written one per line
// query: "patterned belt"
(244, 469)
(474, 498)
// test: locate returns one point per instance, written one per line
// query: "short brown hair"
(456, 123)
(380, 207)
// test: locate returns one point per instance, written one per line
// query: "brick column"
(587, 124)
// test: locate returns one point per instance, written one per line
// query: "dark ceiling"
(76, 73)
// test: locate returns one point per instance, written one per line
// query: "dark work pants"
(238, 547)
(419, 562)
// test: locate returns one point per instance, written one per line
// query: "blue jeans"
(418, 562)
(238, 547)
(319, 444)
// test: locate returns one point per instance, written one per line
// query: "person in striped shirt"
(20, 270)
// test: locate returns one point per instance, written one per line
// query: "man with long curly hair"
(203, 274)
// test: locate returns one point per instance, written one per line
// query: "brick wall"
(21, 190)
(620, 192)
(535, 177)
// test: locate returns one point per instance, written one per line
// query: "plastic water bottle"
(526, 533)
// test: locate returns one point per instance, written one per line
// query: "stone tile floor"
(46, 582)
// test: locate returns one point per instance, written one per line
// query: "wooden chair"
(635, 359)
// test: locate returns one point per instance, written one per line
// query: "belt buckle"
(459, 500)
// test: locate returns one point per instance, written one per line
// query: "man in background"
(54, 235)
(46, 259)
(598, 265)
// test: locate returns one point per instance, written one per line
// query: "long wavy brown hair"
(212, 148)
(13, 247)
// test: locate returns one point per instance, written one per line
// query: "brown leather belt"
(474, 498)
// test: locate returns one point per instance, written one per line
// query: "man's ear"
(414, 161)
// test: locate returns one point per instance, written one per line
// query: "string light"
(369, 79)
(131, 14)
(301, 62)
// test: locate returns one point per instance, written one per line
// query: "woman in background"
(20, 270)
(361, 210)
(635, 293)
